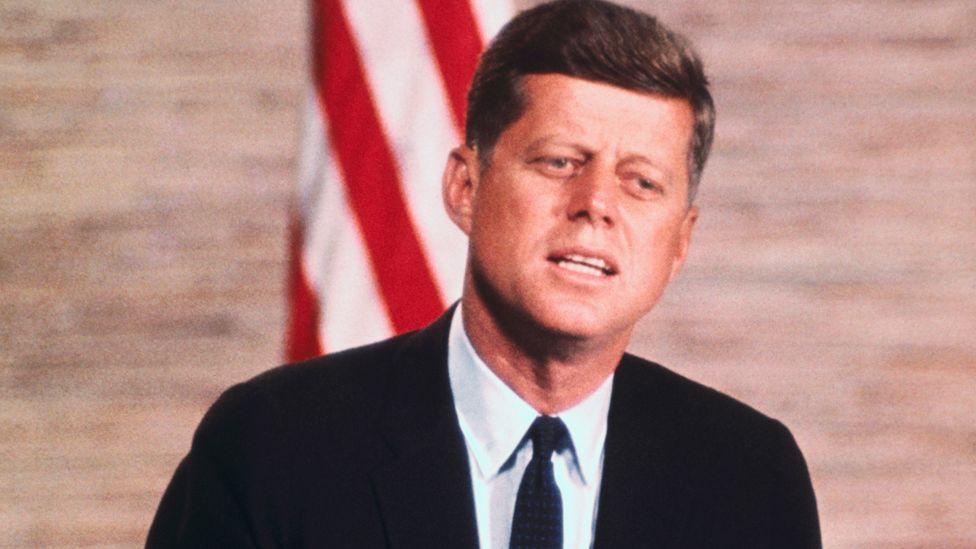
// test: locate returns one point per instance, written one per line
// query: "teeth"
(583, 264)
(581, 268)
(591, 261)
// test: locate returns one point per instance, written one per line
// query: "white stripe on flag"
(409, 95)
(417, 121)
(491, 16)
(351, 309)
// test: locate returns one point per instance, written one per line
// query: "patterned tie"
(538, 519)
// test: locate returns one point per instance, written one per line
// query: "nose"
(593, 197)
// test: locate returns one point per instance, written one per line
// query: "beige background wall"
(147, 159)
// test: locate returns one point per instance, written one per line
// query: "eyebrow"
(558, 141)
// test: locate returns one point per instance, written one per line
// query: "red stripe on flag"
(370, 175)
(302, 341)
(454, 34)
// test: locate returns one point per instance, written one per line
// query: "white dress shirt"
(494, 421)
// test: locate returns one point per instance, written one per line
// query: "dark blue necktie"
(538, 519)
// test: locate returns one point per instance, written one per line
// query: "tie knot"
(548, 434)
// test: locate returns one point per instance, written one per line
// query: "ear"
(459, 186)
(684, 240)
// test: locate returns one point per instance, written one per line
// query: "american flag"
(372, 251)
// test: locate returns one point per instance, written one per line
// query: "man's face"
(580, 218)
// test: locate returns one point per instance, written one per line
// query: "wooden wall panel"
(833, 280)
(147, 161)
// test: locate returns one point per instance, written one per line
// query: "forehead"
(602, 115)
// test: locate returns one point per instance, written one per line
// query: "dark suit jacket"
(362, 449)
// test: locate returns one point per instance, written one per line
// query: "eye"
(642, 187)
(557, 166)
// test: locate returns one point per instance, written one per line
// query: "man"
(517, 419)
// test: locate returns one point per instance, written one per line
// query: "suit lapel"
(644, 496)
(424, 489)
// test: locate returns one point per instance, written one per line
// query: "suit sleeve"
(204, 504)
(792, 504)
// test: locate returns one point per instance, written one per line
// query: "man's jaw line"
(549, 369)
(535, 339)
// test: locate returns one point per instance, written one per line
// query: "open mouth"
(585, 264)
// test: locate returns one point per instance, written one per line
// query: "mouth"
(584, 263)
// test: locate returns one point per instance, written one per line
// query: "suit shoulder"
(332, 396)
(747, 465)
(694, 407)
(724, 446)
(345, 374)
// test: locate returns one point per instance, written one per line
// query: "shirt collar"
(494, 418)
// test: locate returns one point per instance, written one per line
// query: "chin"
(582, 321)
(530, 309)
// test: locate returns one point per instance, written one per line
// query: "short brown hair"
(592, 40)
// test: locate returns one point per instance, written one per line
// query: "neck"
(550, 371)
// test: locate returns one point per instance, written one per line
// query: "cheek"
(495, 225)
(513, 216)
(654, 245)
